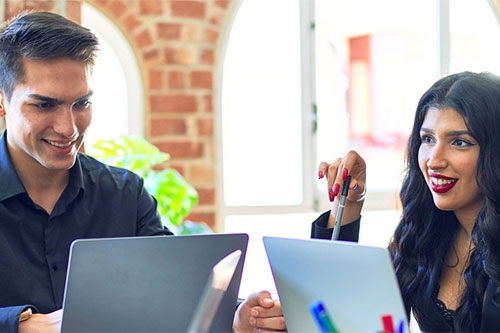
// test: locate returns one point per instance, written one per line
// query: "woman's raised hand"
(336, 173)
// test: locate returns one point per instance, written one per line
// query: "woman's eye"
(462, 143)
(426, 139)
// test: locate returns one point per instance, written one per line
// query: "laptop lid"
(146, 284)
(214, 291)
(356, 283)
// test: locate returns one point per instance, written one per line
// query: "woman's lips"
(442, 184)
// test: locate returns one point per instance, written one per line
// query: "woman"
(446, 249)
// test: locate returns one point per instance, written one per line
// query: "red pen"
(387, 323)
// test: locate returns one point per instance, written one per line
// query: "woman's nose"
(437, 157)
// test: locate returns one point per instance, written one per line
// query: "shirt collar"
(10, 184)
(72, 190)
(76, 177)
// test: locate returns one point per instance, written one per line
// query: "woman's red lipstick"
(441, 184)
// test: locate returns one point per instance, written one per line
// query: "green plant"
(174, 194)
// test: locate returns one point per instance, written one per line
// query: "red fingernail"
(330, 195)
(336, 189)
(345, 173)
(355, 187)
(320, 175)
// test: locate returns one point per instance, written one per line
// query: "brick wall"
(176, 43)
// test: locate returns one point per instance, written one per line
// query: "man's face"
(48, 114)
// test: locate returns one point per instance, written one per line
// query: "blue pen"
(321, 317)
(401, 328)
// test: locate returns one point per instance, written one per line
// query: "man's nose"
(64, 124)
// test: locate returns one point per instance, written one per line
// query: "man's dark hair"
(41, 36)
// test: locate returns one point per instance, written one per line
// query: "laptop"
(356, 284)
(147, 284)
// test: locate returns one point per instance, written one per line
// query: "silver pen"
(340, 210)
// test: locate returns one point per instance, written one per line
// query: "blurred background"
(248, 96)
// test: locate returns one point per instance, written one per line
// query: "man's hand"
(42, 323)
(259, 312)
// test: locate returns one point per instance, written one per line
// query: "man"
(50, 194)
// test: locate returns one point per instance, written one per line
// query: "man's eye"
(82, 105)
(42, 106)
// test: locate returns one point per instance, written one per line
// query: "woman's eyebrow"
(452, 133)
(457, 133)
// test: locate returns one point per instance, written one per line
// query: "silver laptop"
(147, 284)
(356, 284)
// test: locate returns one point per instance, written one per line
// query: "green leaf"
(131, 152)
(175, 196)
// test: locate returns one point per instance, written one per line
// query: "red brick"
(160, 167)
(169, 31)
(151, 55)
(155, 79)
(206, 196)
(181, 56)
(12, 8)
(176, 80)
(207, 57)
(191, 32)
(74, 11)
(103, 2)
(222, 3)
(173, 103)
(205, 127)
(201, 79)
(38, 5)
(131, 22)
(171, 56)
(188, 8)
(207, 100)
(180, 169)
(211, 36)
(202, 173)
(168, 126)
(208, 218)
(182, 149)
(150, 7)
(117, 7)
(216, 16)
(144, 39)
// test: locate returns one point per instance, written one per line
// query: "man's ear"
(2, 104)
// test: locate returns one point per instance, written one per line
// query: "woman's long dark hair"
(425, 233)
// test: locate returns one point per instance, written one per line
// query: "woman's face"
(448, 157)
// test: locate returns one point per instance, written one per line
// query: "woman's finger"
(357, 191)
(332, 175)
(270, 323)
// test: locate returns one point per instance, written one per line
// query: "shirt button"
(54, 267)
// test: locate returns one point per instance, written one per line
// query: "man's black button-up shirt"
(99, 201)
